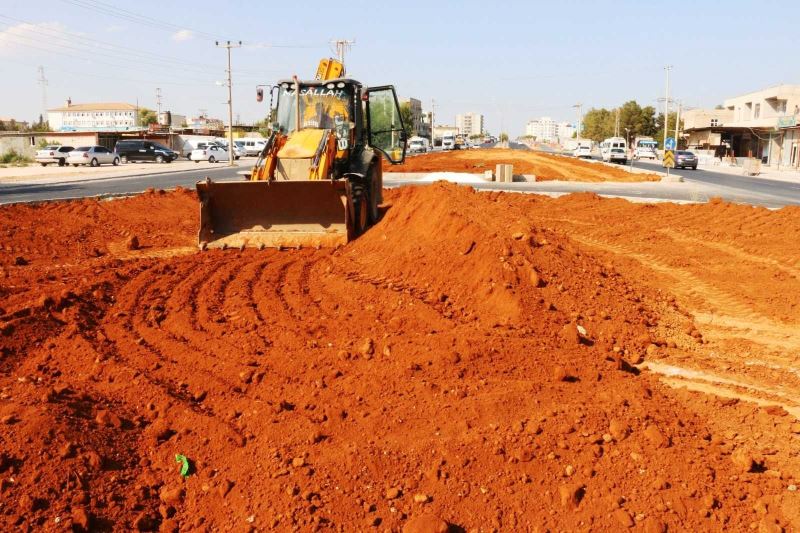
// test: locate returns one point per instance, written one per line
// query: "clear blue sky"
(512, 61)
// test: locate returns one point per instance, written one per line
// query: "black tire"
(212, 160)
(694, 167)
(44, 164)
(159, 159)
(373, 211)
(94, 163)
(74, 164)
(62, 162)
(360, 212)
(116, 161)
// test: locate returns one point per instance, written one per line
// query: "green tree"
(503, 137)
(147, 117)
(408, 118)
(598, 124)
(40, 125)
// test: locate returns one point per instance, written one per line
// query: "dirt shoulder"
(546, 167)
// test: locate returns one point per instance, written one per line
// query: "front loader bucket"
(275, 214)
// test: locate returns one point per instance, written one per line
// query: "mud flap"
(274, 214)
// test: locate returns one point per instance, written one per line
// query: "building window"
(714, 122)
(756, 110)
(781, 108)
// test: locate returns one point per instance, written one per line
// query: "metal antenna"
(42, 81)
(342, 46)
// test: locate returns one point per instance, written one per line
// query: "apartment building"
(113, 116)
(416, 114)
(470, 124)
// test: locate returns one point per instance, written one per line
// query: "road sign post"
(669, 159)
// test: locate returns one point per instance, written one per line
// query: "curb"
(38, 181)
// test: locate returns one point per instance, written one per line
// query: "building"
(470, 124)
(204, 123)
(173, 120)
(440, 131)
(543, 129)
(113, 116)
(702, 127)
(762, 124)
(416, 114)
(564, 131)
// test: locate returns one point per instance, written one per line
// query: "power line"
(114, 11)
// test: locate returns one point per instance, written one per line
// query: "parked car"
(92, 156)
(685, 159)
(211, 153)
(254, 146)
(239, 149)
(140, 150)
(53, 154)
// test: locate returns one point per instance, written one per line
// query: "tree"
(600, 124)
(408, 118)
(40, 125)
(503, 137)
(147, 117)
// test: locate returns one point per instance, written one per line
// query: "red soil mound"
(422, 370)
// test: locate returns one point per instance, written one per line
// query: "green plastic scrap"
(185, 464)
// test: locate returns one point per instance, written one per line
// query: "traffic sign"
(669, 158)
(670, 143)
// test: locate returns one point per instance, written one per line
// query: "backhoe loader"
(318, 180)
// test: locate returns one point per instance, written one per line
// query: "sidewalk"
(770, 173)
(37, 174)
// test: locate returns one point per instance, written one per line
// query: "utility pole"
(616, 123)
(42, 81)
(678, 125)
(158, 103)
(228, 45)
(342, 46)
(668, 68)
(433, 108)
(579, 107)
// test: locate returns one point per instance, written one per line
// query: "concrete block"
(488, 176)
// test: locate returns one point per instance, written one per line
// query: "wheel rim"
(211, 159)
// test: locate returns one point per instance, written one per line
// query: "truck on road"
(448, 141)
(418, 145)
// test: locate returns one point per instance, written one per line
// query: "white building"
(564, 131)
(543, 129)
(470, 124)
(93, 117)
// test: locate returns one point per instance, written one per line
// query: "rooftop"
(110, 106)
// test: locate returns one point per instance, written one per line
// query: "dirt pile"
(461, 363)
(546, 167)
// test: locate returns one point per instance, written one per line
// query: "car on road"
(53, 154)
(211, 153)
(583, 148)
(141, 150)
(614, 150)
(93, 156)
(685, 159)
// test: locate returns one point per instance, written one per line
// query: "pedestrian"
(720, 152)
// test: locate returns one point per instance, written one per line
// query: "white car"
(211, 153)
(92, 156)
(253, 146)
(53, 154)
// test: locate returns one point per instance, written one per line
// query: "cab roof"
(320, 83)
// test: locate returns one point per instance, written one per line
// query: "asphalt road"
(745, 189)
(14, 193)
(700, 185)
